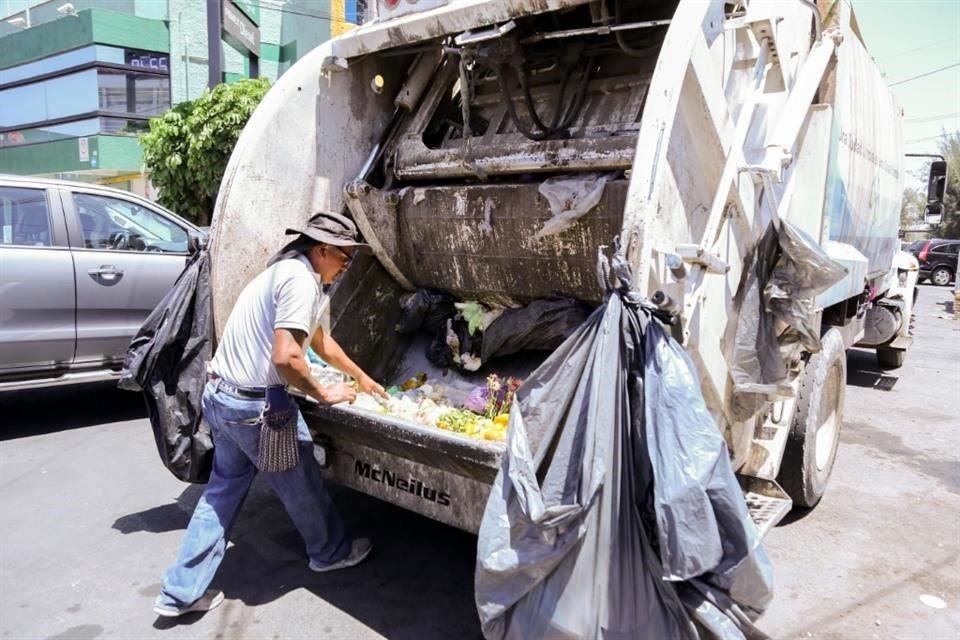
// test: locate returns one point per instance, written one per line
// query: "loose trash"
(483, 415)
(627, 520)
(570, 197)
(933, 601)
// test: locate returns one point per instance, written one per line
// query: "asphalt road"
(89, 520)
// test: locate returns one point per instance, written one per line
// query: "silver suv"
(81, 267)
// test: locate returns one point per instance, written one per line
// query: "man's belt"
(257, 393)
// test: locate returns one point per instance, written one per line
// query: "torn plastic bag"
(786, 272)
(542, 325)
(570, 197)
(627, 520)
(167, 362)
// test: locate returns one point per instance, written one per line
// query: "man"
(263, 346)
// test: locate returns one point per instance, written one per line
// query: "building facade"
(80, 79)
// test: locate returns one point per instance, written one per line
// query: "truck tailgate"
(439, 474)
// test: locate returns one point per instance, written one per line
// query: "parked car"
(81, 267)
(937, 258)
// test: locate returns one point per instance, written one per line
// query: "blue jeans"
(236, 438)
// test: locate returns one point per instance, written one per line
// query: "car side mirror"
(933, 214)
(936, 188)
(937, 181)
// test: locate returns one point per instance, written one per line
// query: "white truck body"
(735, 118)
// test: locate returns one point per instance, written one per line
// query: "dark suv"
(937, 258)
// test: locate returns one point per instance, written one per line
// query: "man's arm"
(292, 365)
(333, 354)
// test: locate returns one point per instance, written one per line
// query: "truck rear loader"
(434, 124)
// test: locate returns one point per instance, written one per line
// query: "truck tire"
(815, 430)
(891, 358)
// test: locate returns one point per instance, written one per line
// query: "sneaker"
(210, 600)
(360, 548)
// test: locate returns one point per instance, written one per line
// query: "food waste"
(484, 414)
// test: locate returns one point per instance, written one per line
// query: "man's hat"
(331, 228)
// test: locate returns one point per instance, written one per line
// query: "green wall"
(117, 153)
(98, 26)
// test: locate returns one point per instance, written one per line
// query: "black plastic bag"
(425, 309)
(167, 362)
(541, 325)
(627, 521)
(787, 270)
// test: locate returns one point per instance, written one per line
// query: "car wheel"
(815, 430)
(941, 276)
(891, 358)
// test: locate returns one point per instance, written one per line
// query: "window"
(114, 224)
(50, 99)
(134, 93)
(24, 217)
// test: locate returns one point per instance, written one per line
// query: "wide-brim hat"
(331, 228)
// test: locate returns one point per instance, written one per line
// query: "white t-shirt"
(287, 295)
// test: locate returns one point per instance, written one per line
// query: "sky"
(908, 38)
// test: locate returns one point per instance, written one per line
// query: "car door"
(944, 254)
(127, 256)
(37, 301)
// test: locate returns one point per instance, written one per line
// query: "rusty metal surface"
(415, 161)
(477, 242)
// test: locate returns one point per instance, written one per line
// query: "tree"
(187, 148)
(950, 150)
(911, 211)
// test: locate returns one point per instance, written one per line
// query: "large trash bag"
(167, 361)
(786, 271)
(541, 325)
(626, 520)
(426, 309)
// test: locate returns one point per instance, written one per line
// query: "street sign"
(84, 147)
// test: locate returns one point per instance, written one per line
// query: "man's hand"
(371, 386)
(337, 393)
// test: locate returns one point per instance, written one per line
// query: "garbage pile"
(483, 413)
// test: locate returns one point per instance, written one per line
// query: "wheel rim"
(941, 277)
(827, 432)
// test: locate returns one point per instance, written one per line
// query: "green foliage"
(187, 149)
(911, 211)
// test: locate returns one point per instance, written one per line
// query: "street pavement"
(90, 519)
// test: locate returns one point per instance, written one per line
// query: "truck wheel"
(891, 358)
(815, 431)
(941, 276)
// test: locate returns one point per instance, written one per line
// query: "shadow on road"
(864, 371)
(48, 410)
(388, 593)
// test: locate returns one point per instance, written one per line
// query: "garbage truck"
(694, 126)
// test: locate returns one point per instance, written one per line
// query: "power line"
(925, 46)
(942, 116)
(939, 135)
(923, 75)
